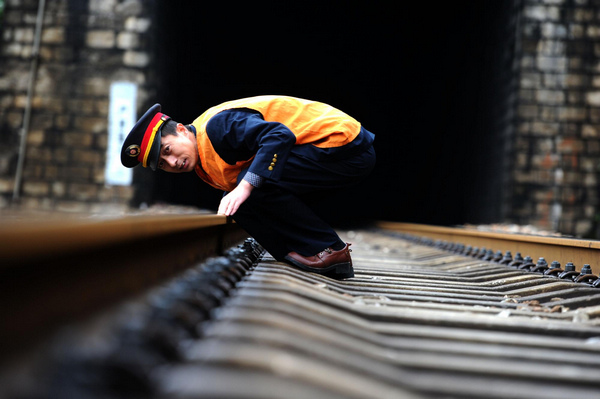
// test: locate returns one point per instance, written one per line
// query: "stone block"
(23, 34)
(82, 192)
(90, 124)
(589, 164)
(53, 35)
(569, 161)
(62, 121)
(529, 46)
(590, 180)
(548, 114)
(76, 173)
(37, 203)
(575, 97)
(593, 31)
(41, 121)
(35, 189)
(102, 6)
(593, 148)
(582, 227)
(101, 141)
(135, 24)
(572, 113)
(87, 157)
(129, 7)
(96, 86)
(34, 171)
(521, 161)
(38, 154)
(6, 184)
(541, 13)
(527, 63)
(544, 161)
(82, 105)
(35, 137)
(554, 30)
(12, 49)
(551, 64)
(573, 178)
(551, 47)
(527, 111)
(59, 189)
(128, 40)
(61, 155)
(550, 96)
(593, 98)
(530, 80)
(545, 129)
(21, 102)
(568, 145)
(116, 193)
(100, 39)
(136, 59)
(527, 95)
(583, 15)
(77, 139)
(589, 211)
(590, 131)
(576, 31)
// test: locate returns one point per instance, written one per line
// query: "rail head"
(561, 249)
(30, 239)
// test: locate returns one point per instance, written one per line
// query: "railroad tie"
(418, 320)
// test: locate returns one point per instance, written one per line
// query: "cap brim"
(154, 153)
(136, 136)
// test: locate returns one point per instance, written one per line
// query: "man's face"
(178, 153)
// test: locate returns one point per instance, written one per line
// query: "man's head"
(178, 150)
(156, 141)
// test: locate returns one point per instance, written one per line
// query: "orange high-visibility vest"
(311, 122)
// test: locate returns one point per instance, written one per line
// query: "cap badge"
(133, 150)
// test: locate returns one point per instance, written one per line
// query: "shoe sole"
(337, 271)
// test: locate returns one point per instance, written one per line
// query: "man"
(273, 156)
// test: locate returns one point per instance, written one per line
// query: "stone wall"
(556, 153)
(85, 46)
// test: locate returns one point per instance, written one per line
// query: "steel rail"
(23, 240)
(561, 249)
(57, 270)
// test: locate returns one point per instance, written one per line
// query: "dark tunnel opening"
(428, 83)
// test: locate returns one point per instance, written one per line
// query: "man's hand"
(232, 201)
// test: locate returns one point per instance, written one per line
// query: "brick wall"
(85, 46)
(556, 150)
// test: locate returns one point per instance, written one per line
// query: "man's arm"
(240, 134)
(232, 201)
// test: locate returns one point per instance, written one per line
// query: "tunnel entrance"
(423, 79)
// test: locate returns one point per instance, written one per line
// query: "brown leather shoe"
(336, 264)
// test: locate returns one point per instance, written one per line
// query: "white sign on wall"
(121, 118)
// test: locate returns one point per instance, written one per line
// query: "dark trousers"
(283, 217)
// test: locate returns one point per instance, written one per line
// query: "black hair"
(169, 128)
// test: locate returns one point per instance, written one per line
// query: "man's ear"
(181, 129)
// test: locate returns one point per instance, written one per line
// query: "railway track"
(424, 317)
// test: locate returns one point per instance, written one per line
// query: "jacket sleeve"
(239, 134)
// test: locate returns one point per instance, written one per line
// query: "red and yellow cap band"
(149, 135)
